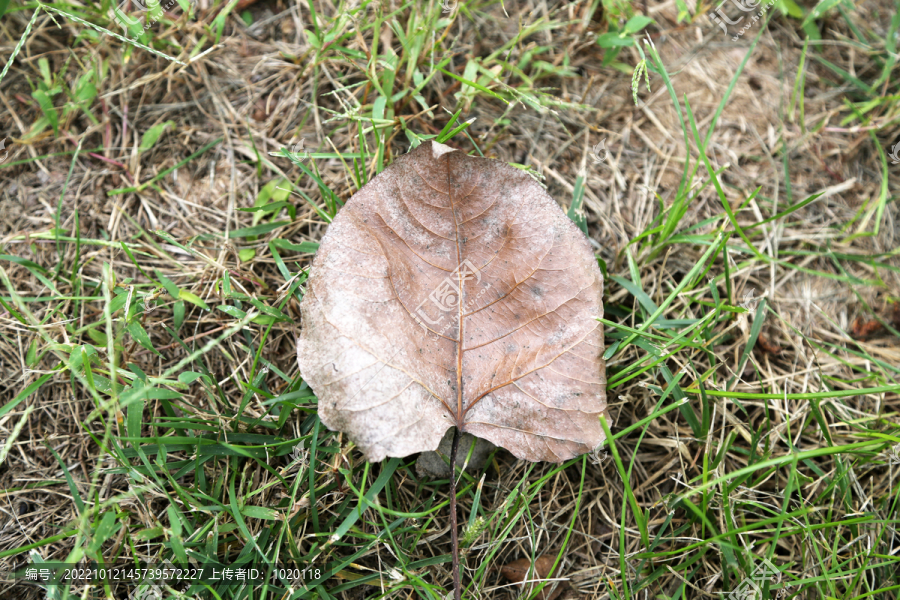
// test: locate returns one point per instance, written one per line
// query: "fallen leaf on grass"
(520, 570)
(767, 345)
(862, 328)
(453, 291)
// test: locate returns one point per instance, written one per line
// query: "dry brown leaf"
(518, 570)
(383, 315)
(863, 328)
(767, 345)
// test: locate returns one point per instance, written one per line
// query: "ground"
(161, 204)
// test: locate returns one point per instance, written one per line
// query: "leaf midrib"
(459, 285)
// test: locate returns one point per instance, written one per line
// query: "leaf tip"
(438, 149)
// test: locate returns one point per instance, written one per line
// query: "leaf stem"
(454, 536)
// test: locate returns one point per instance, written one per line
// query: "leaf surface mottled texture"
(453, 291)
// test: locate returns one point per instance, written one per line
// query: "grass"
(156, 230)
